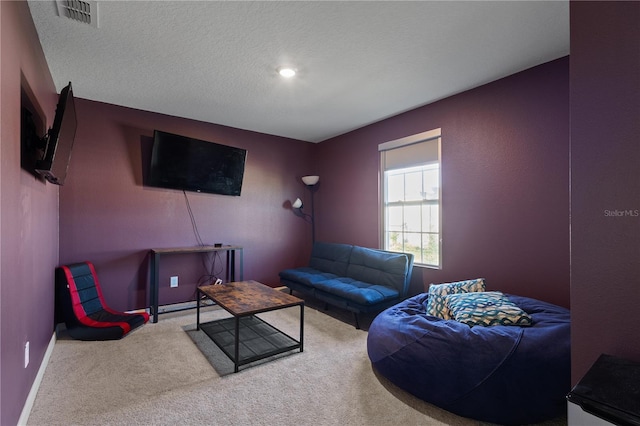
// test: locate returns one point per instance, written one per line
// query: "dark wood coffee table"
(244, 337)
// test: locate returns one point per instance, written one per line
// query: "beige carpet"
(158, 375)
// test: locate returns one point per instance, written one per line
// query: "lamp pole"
(311, 182)
(313, 219)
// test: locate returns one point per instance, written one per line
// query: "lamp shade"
(297, 204)
(310, 180)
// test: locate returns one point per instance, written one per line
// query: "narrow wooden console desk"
(155, 268)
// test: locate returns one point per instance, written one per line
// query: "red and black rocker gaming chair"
(80, 304)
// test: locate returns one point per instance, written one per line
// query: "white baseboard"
(31, 398)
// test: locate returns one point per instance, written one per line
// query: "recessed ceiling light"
(286, 72)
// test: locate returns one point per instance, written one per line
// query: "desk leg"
(153, 286)
(198, 309)
(231, 265)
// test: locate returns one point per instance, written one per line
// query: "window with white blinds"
(411, 192)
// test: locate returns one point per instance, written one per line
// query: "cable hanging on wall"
(208, 259)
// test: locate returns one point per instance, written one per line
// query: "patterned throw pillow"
(437, 306)
(486, 309)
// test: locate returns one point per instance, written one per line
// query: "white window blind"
(411, 190)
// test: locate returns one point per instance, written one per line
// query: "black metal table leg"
(198, 295)
(301, 326)
(231, 265)
(153, 284)
(237, 345)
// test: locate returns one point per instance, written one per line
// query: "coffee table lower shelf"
(258, 339)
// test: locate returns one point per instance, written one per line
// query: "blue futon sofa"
(351, 277)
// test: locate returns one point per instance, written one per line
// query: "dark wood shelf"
(258, 339)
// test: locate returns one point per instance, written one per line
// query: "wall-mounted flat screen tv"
(180, 162)
(58, 142)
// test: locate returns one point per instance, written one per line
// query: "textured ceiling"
(358, 62)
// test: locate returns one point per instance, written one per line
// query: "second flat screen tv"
(180, 162)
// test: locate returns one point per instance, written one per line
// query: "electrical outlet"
(174, 281)
(26, 354)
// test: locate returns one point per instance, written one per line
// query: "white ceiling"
(358, 62)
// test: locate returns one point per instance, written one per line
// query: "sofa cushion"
(306, 275)
(330, 257)
(378, 267)
(357, 291)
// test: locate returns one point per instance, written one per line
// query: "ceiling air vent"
(79, 10)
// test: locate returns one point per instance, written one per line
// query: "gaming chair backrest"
(84, 288)
(80, 304)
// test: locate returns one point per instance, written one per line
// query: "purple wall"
(605, 181)
(28, 218)
(505, 177)
(109, 217)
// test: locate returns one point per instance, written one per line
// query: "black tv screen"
(180, 162)
(59, 140)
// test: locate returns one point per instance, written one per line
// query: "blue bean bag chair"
(508, 375)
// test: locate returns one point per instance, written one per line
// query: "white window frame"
(430, 135)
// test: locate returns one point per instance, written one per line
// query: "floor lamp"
(310, 182)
